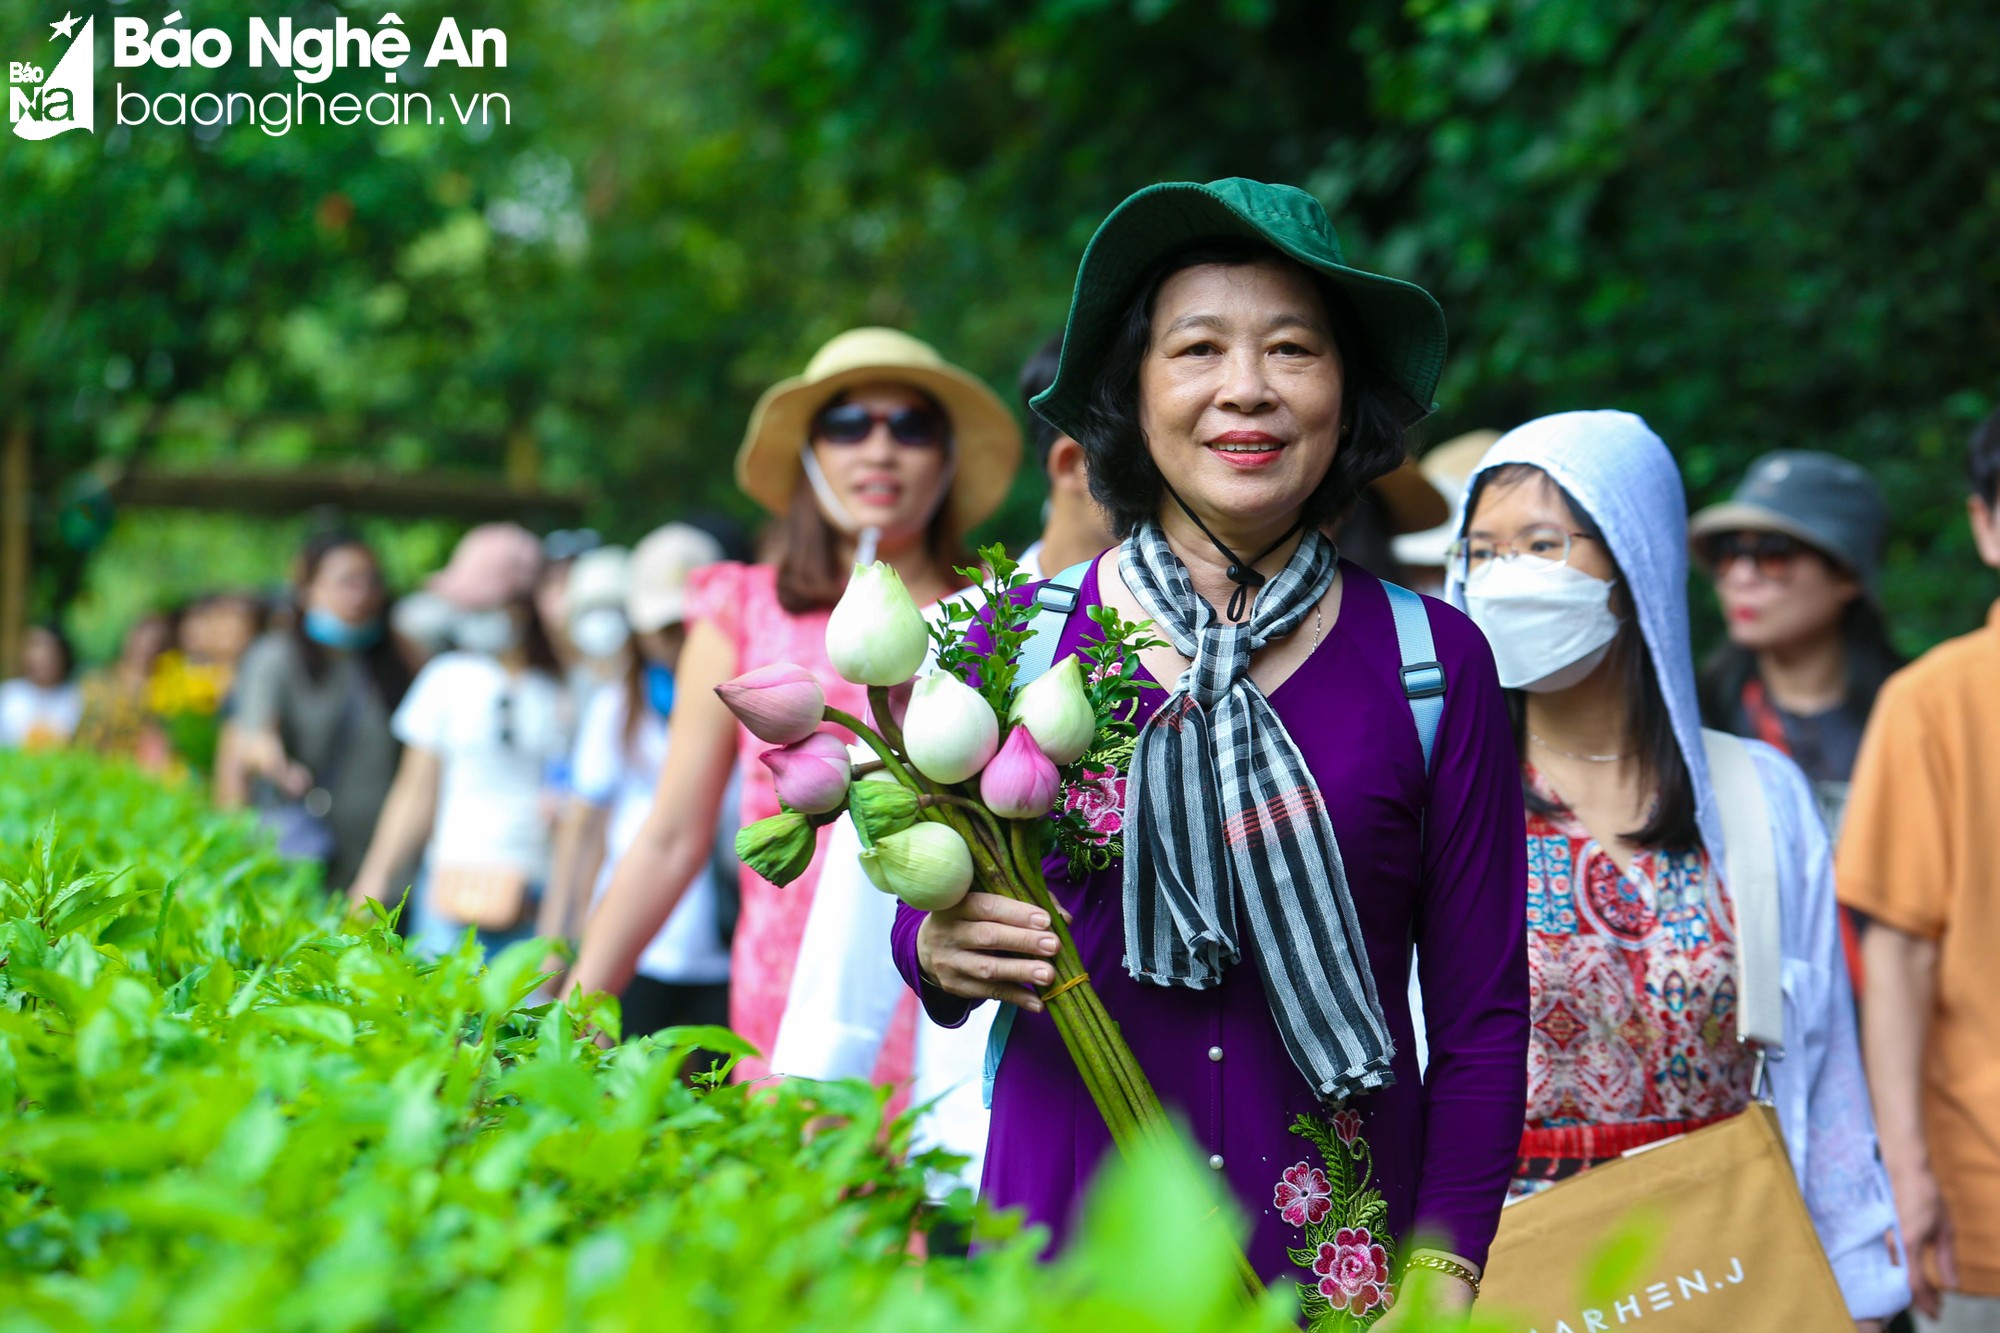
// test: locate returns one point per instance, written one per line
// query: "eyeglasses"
(1773, 553)
(1470, 555)
(851, 423)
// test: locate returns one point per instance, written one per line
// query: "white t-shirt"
(845, 990)
(844, 993)
(32, 714)
(687, 950)
(496, 735)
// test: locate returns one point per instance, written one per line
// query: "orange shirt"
(1919, 853)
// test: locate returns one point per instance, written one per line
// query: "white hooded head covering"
(1620, 472)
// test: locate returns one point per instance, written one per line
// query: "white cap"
(600, 577)
(661, 564)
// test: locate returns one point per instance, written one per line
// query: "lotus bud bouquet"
(974, 780)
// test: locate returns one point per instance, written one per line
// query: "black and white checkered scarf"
(1223, 818)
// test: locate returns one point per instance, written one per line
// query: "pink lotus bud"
(1020, 783)
(780, 703)
(811, 775)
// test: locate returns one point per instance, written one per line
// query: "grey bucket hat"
(1829, 503)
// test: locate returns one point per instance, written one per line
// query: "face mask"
(330, 631)
(660, 688)
(424, 618)
(489, 632)
(1550, 625)
(599, 632)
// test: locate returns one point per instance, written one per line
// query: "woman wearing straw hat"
(1303, 801)
(880, 450)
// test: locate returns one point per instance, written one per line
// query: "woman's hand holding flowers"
(988, 948)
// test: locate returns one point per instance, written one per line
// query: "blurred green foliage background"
(1760, 223)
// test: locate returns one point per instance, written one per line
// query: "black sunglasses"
(1771, 552)
(851, 423)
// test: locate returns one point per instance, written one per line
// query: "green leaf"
(328, 1024)
(512, 976)
(1619, 1259)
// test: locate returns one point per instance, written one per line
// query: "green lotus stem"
(873, 740)
(1007, 860)
(1133, 1090)
(990, 822)
(1147, 1115)
(885, 717)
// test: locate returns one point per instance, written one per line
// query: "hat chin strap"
(867, 537)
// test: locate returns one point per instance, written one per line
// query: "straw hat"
(1446, 467)
(984, 432)
(1412, 501)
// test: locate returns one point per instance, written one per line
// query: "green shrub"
(222, 1109)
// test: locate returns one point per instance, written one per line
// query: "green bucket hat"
(1402, 320)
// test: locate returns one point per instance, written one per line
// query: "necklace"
(1585, 758)
(1316, 606)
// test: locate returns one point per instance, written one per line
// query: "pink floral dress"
(742, 601)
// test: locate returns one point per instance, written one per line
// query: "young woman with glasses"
(1574, 563)
(880, 450)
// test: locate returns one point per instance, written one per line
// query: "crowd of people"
(1500, 946)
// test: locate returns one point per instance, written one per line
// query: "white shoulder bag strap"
(1751, 874)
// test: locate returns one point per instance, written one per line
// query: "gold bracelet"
(1449, 1267)
(1076, 980)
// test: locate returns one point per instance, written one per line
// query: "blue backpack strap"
(996, 1046)
(1423, 674)
(1054, 601)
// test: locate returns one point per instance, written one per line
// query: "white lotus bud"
(927, 865)
(950, 732)
(1057, 713)
(876, 635)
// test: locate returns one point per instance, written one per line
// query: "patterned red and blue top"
(1632, 994)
